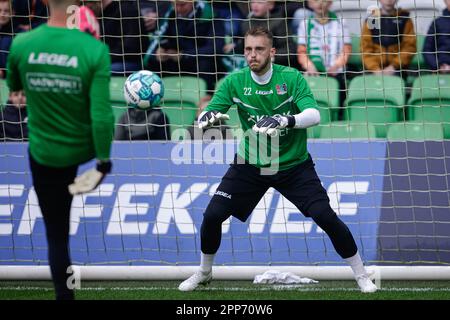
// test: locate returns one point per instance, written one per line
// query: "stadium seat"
(219, 83)
(418, 62)
(234, 121)
(326, 93)
(117, 99)
(4, 92)
(415, 131)
(376, 99)
(430, 101)
(355, 59)
(181, 97)
(347, 130)
(355, 12)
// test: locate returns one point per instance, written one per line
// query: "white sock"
(357, 265)
(206, 262)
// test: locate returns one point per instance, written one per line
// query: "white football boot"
(198, 278)
(365, 284)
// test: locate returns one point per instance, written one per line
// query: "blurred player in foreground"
(65, 75)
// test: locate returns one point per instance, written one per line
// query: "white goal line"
(226, 272)
(299, 288)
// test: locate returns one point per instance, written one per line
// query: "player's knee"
(216, 213)
(322, 213)
(325, 217)
(210, 230)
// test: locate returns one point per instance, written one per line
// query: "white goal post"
(87, 273)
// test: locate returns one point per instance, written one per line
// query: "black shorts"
(242, 187)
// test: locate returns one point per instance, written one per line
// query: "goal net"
(382, 149)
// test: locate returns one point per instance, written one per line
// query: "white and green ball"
(143, 89)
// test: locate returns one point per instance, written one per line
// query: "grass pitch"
(229, 290)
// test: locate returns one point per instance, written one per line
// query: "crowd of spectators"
(205, 38)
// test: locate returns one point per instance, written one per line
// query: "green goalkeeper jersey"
(65, 74)
(287, 93)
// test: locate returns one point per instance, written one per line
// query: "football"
(143, 89)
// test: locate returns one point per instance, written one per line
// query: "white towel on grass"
(274, 276)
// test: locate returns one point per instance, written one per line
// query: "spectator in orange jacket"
(388, 40)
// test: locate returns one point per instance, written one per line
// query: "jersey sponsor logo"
(53, 82)
(281, 88)
(264, 92)
(222, 194)
(53, 59)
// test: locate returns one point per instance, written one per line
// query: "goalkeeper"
(65, 74)
(273, 101)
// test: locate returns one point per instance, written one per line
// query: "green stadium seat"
(4, 92)
(326, 93)
(415, 131)
(355, 59)
(430, 101)
(234, 121)
(417, 67)
(181, 97)
(376, 99)
(348, 130)
(314, 132)
(418, 62)
(219, 83)
(117, 99)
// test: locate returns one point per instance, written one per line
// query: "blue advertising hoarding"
(415, 217)
(149, 211)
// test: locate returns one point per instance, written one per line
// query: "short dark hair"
(260, 32)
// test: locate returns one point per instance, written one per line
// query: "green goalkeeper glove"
(90, 179)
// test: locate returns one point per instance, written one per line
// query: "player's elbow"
(315, 116)
(307, 118)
